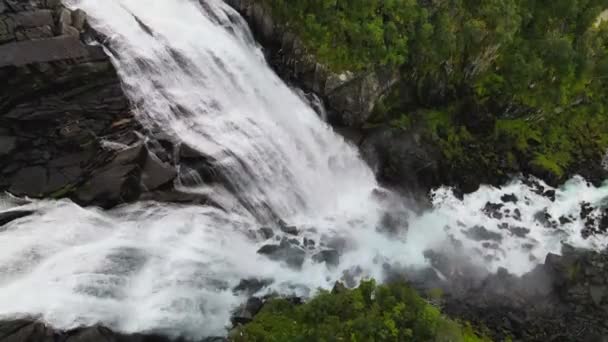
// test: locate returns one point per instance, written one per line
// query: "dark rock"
(156, 173)
(245, 313)
(7, 145)
(24, 330)
(9, 216)
(31, 181)
(291, 230)
(403, 159)
(564, 220)
(509, 198)
(586, 209)
(309, 243)
(292, 255)
(544, 218)
(118, 182)
(252, 285)
(493, 210)
(550, 194)
(517, 214)
(267, 232)
(519, 231)
(330, 257)
(479, 233)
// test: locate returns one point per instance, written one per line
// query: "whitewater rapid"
(193, 71)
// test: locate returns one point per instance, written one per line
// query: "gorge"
(159, 175)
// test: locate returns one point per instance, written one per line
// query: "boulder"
(292, 255)
(9, 216)
(156, 173)
(245, 313)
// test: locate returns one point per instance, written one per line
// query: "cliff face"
(350, 97)
(66, 129)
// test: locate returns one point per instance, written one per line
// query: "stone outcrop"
(564, 299)
(66, 129)
(350, 97)
(33, 331)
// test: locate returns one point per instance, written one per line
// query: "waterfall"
(193, 70)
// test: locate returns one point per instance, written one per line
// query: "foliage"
(370, 312)
(538, 67)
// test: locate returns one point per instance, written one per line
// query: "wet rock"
(565, 220)
(291, 230)
(245, 313)
(309, 243)
(480, 233)
(7, 145)
(493, 210)
(509, 198)
(252, 285)
(517, 214)
(31, 181)
(292, 255)
(519, 231)
(118, 182)
(330, 257)
(9, 216)
(156, 173)
(545, 219)
(550, 194)
(24, 330)
(266, 232)
(586, 209)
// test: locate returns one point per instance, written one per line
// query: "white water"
(169, 268)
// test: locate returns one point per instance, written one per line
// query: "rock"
(252, 285)
(402, 159)
(330, 257)
(291, 230)
(564, 220)
(292, 255)
(267, 232)
(118, 182)
(7, 145)
(156, 173)
(493, 210)
(509, 198)
(479, 233)
(550, 194)
(586, 209)
(519, 231)
(79, 18)
(245, 313)
(31, 181)
(598, 293)
(544, 218)
(309, 243)
(9, 216)
(24, 330)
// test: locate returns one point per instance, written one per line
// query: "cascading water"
(193, 69)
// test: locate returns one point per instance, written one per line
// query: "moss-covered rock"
(500, 87)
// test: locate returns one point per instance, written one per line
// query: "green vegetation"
(519, 84)
(368, 313)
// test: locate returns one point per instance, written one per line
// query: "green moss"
(370, 312)
(543, 164)
(539, 70)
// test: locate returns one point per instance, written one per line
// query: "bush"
(370, 312)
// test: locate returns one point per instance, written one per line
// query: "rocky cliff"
(66, 128)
